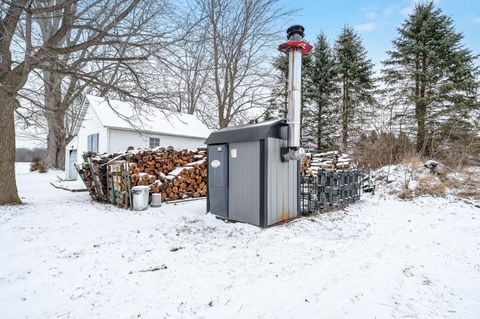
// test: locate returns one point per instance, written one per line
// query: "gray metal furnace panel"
(218, 179)
(281, 184)
(218, 201)
(244, 186)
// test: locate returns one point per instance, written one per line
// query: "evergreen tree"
(432, 73)
(355, 78)
(321, 116)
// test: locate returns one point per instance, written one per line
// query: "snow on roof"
(122, 115)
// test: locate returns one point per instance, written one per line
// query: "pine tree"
(355, 78)
(321, 119)
(432, 73)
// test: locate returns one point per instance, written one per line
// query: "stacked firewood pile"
(329, 160)
(160, 161)
(118, 183)
(93, 172)
(176, 174)
(86, 176)
(189, 181)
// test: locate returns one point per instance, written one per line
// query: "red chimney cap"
(303, 46)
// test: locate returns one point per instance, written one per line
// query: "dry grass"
(430, 185)
(461, 177)
(470, 187)
(413, 160)
(471, 194)
(374, 150)
(466, 187)
(377, 150)
(406, 194)
(463, 183)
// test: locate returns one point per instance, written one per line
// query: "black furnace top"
(250, 132)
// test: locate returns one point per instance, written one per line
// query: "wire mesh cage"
(330, 189)
(308, 194)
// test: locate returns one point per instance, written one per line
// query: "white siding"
(91, 125)
(117, 140)
(120, 140)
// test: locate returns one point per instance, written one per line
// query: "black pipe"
(296, 33)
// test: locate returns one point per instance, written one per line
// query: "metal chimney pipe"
(295, 48)
(295, 33)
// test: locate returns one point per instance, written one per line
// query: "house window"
(154, 142)
(92, 143)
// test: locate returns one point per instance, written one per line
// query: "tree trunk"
(223, 122)
(319, 129)
(56, 140)
(420, 113)
(345, 115)
(55, 115)
(8, 184)
(420, 107)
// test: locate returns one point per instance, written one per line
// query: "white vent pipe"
(295, 48)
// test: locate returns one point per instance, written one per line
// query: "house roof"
(122, 115)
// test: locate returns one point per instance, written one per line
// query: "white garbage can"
(140, 197)
(156, 200)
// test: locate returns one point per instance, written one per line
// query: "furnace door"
(218, 179)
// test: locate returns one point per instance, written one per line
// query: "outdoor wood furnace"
(254, 170)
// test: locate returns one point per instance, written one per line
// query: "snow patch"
(64, 256)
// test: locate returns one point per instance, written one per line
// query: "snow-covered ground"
(63, 256)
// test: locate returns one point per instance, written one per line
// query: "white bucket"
(140, 197)
(156, 200)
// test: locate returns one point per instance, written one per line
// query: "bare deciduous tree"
(103, 27)
(100, 68)
(189, 71)
(241, 36)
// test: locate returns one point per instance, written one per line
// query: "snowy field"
(63, 256)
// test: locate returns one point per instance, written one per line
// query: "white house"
(109, 126)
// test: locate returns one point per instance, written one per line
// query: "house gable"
(124, 116)
(178, 130)
(91, 124)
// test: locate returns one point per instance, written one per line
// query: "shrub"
(406, 194)
(377, 150)
(42, 167)
(430, 185)
(38, 164)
